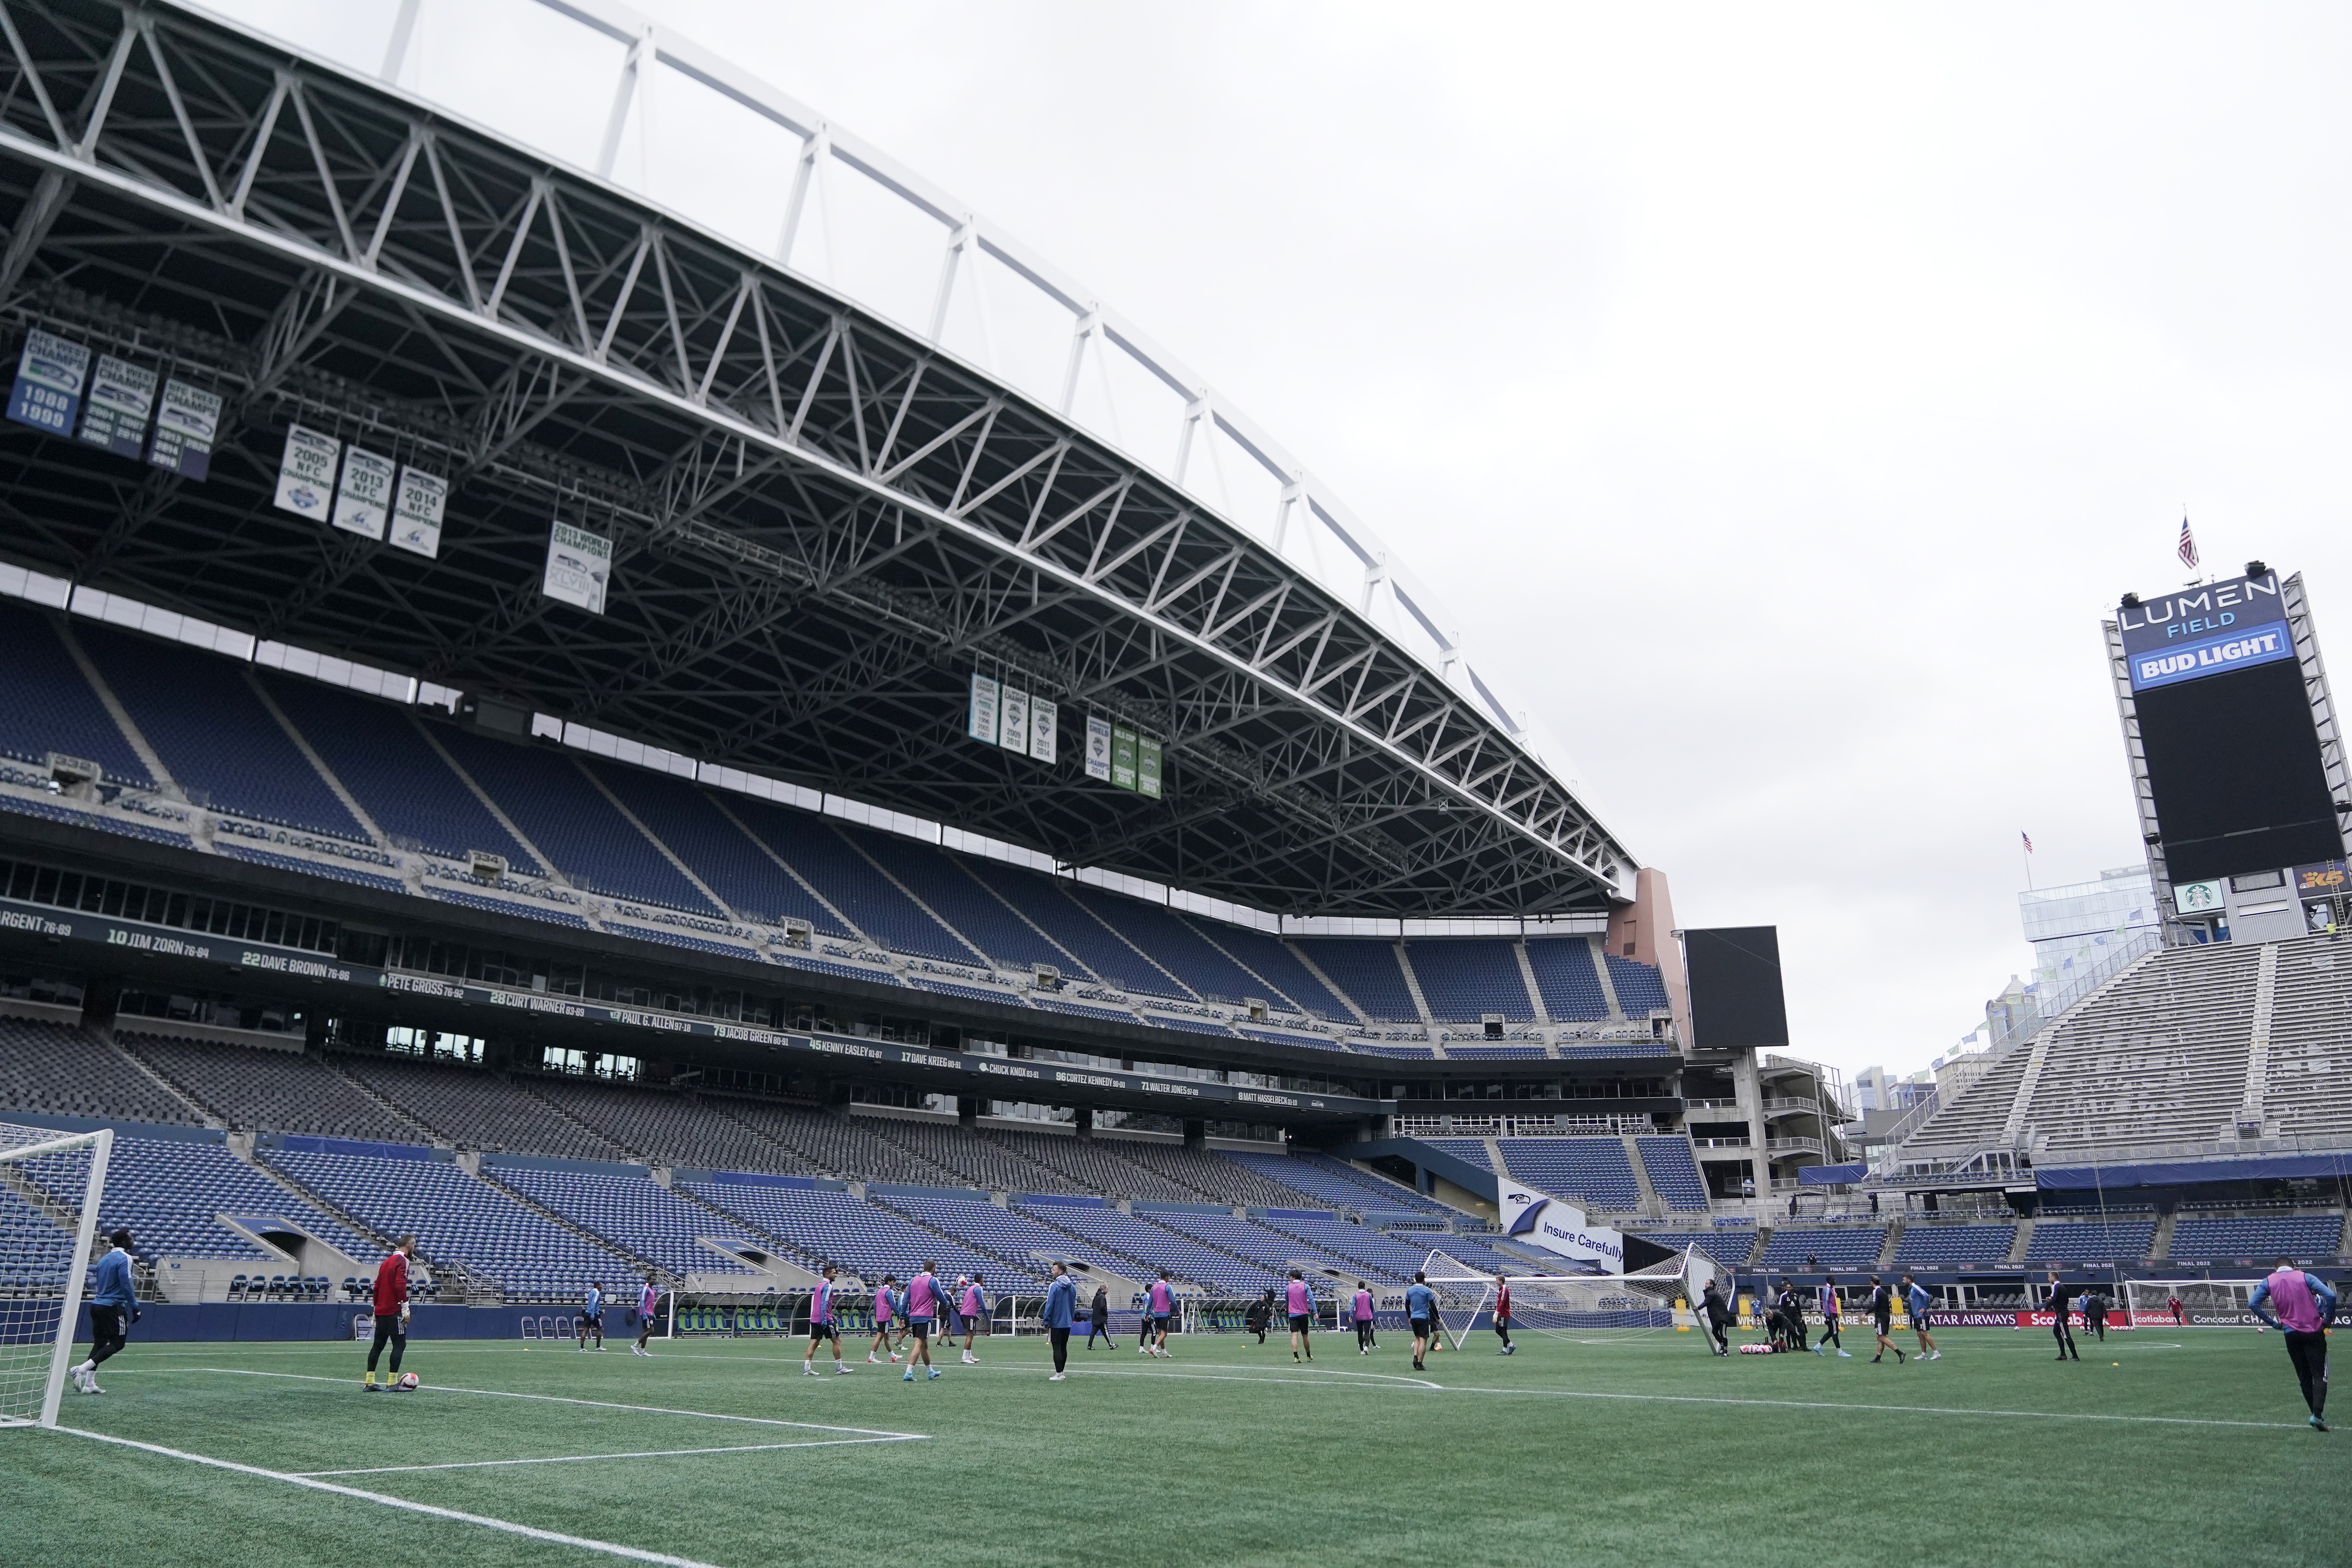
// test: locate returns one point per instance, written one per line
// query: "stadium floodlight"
(42, 1265)
(1590, 1308)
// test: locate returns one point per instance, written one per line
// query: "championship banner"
(185, 425)
(1043, 720)
(416, 510)
(979, 719)
(121, 395)
(1012, 721)
(1098, 748)
(49, 375)
(1122, 758)
(2205, 631)
(363, 496)
(579, 565)
(305, 474)
(1557, 1225)
(1147, 768)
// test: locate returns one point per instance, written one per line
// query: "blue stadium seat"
(1564, 974)
(2264, 1238)
(1593, 1169)
(2090, 1241)
(1366, 969)
(1639, 987)
(1464, 978)
(695, 826)
(809, 845)
(1674, 1171)
(45, 705)
(1949, 1246)
(1845, 1248)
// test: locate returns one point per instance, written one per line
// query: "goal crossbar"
(1577, 1306)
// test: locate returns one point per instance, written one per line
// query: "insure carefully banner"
(416, 510)
(363, 498)
(49, 377)
(186, 421)
(578, 567)
(1012, 721)
(121, 395)
(306, 473)
(1044, 717)
(1098, 748)
(1558, 1226)
(2197, 632)
(980, 715)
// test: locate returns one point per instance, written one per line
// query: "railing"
(1788, 1105)
(1522, 1126)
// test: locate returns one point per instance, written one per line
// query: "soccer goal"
(50, 1192)
(1591, 1309)
(2204, 1304)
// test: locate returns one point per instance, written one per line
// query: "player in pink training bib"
(822, 1325)
(1159, 1306)
(649, 1303)
(924, 1300)
(1364, 1317)
(974, 1307)
(1300, 1302)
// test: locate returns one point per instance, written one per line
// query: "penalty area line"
(583, 1458)
(863, 1432)
(311, 1483)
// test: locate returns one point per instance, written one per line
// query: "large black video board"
(1735, 987)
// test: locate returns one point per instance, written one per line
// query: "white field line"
(867, 1432)
(506, 1526)
(583, 1458)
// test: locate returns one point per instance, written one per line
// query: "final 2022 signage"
(2205, 631)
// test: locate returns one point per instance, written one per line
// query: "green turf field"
(2186, 1449)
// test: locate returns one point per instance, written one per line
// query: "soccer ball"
(407, 1383)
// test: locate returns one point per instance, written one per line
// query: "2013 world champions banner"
(2205, 631)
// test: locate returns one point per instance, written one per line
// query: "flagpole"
(2027, 850)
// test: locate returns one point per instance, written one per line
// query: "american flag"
(2187, 551)
(2029, 840)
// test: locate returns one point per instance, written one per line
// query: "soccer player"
(822, 1326)
(2094, 1311)
(975, 1311)
(1825, 1296)
(1365, 1344)
(592, 1316)
(1420, 1309)
(1099, 1318)
(1719, 1315)
(1921, 1306)
(886, 1307)
(1301, 1303)
(2179, 1321)
(648, 1303)
(1789, 1309)
(113, 1308)
(391, 1311)
(2061, 1297)
(1259, 1316)
(1159, 1306)
(2305, 1306)
(924, 1300)
(1503, 1315)
(1061, 1310)
(1882, 1318)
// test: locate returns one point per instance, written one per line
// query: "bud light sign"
(2205, 631)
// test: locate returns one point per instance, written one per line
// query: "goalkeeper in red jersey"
(391, 1312)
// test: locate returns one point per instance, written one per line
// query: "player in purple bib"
(648, 1303)
(886, 1307)
(822, 1326)
(2300, 1306)
(974, 1307)
(1300, 1304)
(1159, 1306)
(923, 1303)
(1365, 1343)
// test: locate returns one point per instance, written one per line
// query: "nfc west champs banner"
(2204, 631)
(1558, 1226)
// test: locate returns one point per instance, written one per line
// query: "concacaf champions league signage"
(1558, 1226)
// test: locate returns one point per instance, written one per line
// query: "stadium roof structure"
(824, 520)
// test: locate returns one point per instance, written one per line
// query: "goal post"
(2204, 1304)
(1587, 1308)
(50, 1188)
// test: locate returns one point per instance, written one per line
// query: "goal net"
(2204, 1304)
(1591, 1309)
(50, 1189)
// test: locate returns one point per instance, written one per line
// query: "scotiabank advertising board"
(2205, 631)
(2116, 1319)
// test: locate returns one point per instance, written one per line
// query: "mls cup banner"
(1556, 1227)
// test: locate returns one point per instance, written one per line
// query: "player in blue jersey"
(592, 1317)
(1921, 1306)
(1421, 1311)
(822, 1326)
(1060, 1311)
(113, 1308)
(886, 1307)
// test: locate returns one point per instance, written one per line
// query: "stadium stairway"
(1652, 1205)
(241, 1146)
(1894, 1243)
(2024, 1240)
(2162, 1246)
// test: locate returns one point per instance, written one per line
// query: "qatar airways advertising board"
(2206, 630)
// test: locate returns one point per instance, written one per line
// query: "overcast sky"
(1780, 399)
